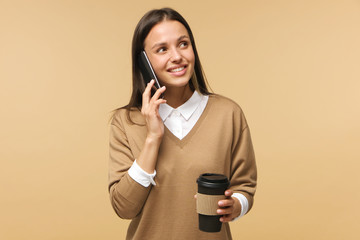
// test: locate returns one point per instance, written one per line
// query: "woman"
(160, 145)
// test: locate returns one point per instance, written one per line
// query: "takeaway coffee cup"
(211, 189)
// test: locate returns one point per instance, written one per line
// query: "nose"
(175, 56)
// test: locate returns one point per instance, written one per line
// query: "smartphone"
(147, 71)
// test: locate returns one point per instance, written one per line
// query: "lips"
(178, 70)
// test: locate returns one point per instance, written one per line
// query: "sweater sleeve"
(243, 177)
(126, 195)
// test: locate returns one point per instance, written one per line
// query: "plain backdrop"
(292, 65)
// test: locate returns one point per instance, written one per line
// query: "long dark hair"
(147, 22)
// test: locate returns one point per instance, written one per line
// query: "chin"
(178, 84)
(175, 82)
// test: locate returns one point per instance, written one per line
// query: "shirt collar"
(186, 110)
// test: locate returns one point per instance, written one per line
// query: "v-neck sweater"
(181, 120)
(168, 209)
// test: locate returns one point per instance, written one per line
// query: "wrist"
(153, 140)
(148, 155)
(237, 208)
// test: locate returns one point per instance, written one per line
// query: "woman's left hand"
(230, 207)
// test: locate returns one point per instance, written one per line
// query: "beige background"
(293, 66)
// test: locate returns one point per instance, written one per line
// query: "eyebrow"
(163, 43)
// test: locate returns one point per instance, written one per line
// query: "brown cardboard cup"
(211, 189)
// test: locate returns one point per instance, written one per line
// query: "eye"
(183, 44)
(161, 50)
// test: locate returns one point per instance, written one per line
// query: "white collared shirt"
(180, 121)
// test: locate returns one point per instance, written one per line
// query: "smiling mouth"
(178, 69)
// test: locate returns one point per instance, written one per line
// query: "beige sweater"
(220, 142)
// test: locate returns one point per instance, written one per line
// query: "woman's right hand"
(150, 110)
(155, 128)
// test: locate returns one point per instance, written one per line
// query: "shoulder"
(124, 116)
(224, 103)
(227, 109)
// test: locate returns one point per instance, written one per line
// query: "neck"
(175, 97)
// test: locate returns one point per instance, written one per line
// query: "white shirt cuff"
(140, 176)
(244, 204)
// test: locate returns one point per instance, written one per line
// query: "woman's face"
(170, 52)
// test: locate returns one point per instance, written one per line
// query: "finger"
(226, 218)
(147, 93)
(159, 92)
(226, 203)
(155, 101)
(229, 193)
(159, 101)
(154, 104)
(149, 86)
(225, 209)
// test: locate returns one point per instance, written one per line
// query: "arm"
(126, 194)
(243, 173)
(155, 128)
